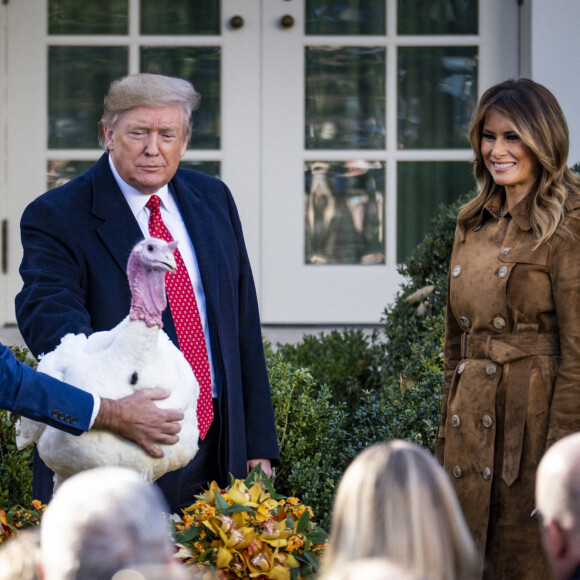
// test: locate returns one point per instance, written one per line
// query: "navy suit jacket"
(37, 396)
(77, 239)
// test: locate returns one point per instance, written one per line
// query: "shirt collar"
(138, 200)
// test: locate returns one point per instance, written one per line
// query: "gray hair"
(148, 90)
(101, 521)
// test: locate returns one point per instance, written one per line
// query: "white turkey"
(136, 354)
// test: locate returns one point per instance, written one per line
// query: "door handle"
(236, 22)
(287, 21)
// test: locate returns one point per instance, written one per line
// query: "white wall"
(555, 58)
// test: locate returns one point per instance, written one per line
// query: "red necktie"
(186, 318)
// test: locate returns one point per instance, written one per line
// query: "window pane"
(210, 167)
(345, 17)
(60, 171)
(345, 97)
(437, 94)
(422, 187)
(437, 16)
(88, 17)
(180, 17)
(200, 66)
(78, 79)
(344, 212)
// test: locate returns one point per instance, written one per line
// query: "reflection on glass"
(437, 16)
(421, 187)
(436, 95)
(180, 17)
(88, 17)
(209, 167)
(345, 97)
(201, 66)
(345, 17)
(344, 212)
(61, 171)
(78, 79)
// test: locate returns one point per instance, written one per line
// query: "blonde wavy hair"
(396, 501)
(541, 126)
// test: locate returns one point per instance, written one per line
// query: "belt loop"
(464, 345)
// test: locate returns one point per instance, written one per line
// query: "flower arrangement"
(248, 531)
(18, 518)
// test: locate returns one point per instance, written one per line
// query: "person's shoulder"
(67, 191)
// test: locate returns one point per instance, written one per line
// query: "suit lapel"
(119, 231)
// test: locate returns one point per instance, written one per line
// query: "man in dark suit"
(77, 239)
(39, 397)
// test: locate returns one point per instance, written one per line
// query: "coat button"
(506, 251)
(465, 321)
(456, 271)
(455, 421)
(487, 421)
(499, 322)
(490, 368)
(460, 368)
(457, 471)
(486, 473)
(502, 272)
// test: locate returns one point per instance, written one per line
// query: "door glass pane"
(210, 167)
(60, 171)
(344, 212)
(437, 16)
(88, 17)
(78, 79)
(437, 93)
(180, 17)
(201, 66)
(422, 187)
(344, 17)
(345, 97)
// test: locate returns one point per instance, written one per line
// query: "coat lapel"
(119, 231)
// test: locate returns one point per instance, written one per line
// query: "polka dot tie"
(185, 315)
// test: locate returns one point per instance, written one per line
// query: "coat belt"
(518, 350)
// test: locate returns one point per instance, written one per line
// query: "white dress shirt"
(172, 219)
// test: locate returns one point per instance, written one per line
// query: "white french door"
(338, 124)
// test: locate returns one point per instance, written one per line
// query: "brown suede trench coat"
(512, 377)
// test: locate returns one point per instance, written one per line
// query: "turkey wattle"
(134, 355)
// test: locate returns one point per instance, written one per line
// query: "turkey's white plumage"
(134, 355)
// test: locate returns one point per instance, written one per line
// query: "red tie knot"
(153, 203)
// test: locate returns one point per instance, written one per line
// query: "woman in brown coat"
(512, 344)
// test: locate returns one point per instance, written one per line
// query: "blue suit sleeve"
(37, 396)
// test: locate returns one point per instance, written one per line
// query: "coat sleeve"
(261, 439)
(51, 303)
(565, 277)
(37, 396)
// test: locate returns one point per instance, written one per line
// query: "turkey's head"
(148, 263)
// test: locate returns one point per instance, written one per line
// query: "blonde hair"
(396, 501)
(148, 90)
(540, 124)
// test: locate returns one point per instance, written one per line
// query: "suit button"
(487, 421)
(502, 272)
(506, 251)
(55, 414)
(73, 420)
(460, 368)
(486, 473)
(499, 322)
(455, 421)
(456, 271)
(465, 321)
(67, 418)
(457, 471)
(490, 368)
